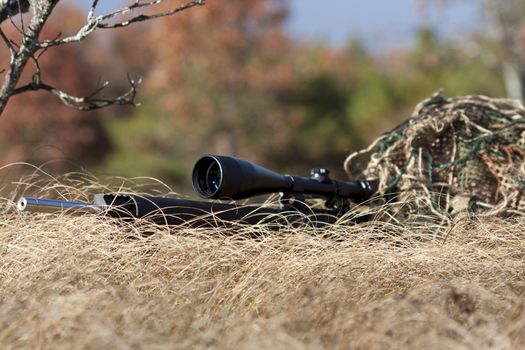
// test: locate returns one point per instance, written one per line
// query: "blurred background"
(288, 84)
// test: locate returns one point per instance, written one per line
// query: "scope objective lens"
(207, 177)
(213, 178)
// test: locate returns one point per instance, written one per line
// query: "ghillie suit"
(463, 154)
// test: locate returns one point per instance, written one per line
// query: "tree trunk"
(507, 26)
(41, 10)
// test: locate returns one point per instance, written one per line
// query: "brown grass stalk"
(92, 282)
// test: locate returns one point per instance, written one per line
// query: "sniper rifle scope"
(216, 177)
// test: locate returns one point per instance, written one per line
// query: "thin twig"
(98, 22)
(86, 103)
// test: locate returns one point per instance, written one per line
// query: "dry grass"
(90, 282)
(87, 282)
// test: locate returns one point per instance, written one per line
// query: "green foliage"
(138, 147)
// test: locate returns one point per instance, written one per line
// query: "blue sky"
(381, 24)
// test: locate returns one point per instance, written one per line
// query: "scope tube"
(216, 177)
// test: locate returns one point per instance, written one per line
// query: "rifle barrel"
(54, 206)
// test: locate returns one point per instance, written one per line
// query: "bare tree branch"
(32, 48)
(100, 22)
(41, 11)
(87, 103)
(7, 43)
(142, 18)
(11, 8)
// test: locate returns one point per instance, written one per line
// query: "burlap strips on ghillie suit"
(463, 154)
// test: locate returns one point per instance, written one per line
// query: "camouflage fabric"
(463, 154)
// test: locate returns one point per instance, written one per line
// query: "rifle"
(223, 177)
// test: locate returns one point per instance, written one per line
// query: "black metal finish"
(170, 211)
(219, 177)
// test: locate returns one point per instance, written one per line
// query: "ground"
(90, 282)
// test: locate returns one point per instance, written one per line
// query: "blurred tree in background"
(228, 79)
(36, 127)
(213, 87)
(503, 42)
(507, 31)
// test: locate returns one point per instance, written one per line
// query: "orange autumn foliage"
(36, 127)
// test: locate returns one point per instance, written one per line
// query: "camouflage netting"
(463, 154)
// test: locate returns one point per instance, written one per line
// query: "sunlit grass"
(94, 282)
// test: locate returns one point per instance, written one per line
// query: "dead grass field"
(88, 282)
